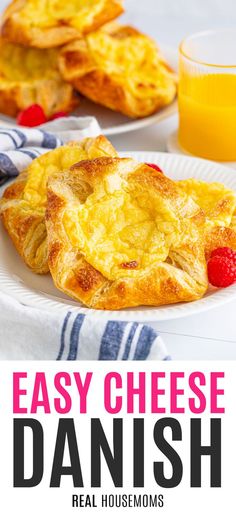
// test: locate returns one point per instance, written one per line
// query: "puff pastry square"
(31, 76)
(121, 234)
(52, 23)
(219, 206)
(121, 69)
(24, 202)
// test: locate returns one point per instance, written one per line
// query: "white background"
(211, 335)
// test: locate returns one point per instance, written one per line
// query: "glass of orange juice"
(207, 94)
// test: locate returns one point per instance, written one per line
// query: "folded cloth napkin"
(19, 146)
(28, 333)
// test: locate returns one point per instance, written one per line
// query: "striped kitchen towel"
(19, 146)
(28, 333)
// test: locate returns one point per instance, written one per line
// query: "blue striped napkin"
(19, 145)
(28, 333)
(81, 337)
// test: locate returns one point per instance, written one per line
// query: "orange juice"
(207, 110)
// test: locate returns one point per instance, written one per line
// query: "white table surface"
(210, 335)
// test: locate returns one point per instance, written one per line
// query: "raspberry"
(32, 116)
(152, 165)
(221, 271)
(60, 114)
(227, 252)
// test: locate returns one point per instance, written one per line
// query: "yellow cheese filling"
(18, 64)
(122, 232)
(217, 201)
(35, 192)
(76, 13)
(135, 61)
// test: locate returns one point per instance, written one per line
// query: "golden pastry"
(121, 69)
(24, 201)
(31, 76)
(219, 205)
(121, 234)
(52, 23)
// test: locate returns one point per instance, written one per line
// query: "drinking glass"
(207, 94)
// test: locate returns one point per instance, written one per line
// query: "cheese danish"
(121, 234)
(121, 69)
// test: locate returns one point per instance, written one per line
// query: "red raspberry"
(227, 252)
(221, 271)
(60, 114)
(152, 165)
(32, 116)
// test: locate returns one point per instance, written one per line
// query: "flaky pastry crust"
(120, 68)
(122, 235)
(50, 24)
(23, 205)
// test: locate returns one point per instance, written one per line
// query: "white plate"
(114, 123)
(38, 291)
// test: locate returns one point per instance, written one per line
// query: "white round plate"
(113, 123)
(19, 282)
